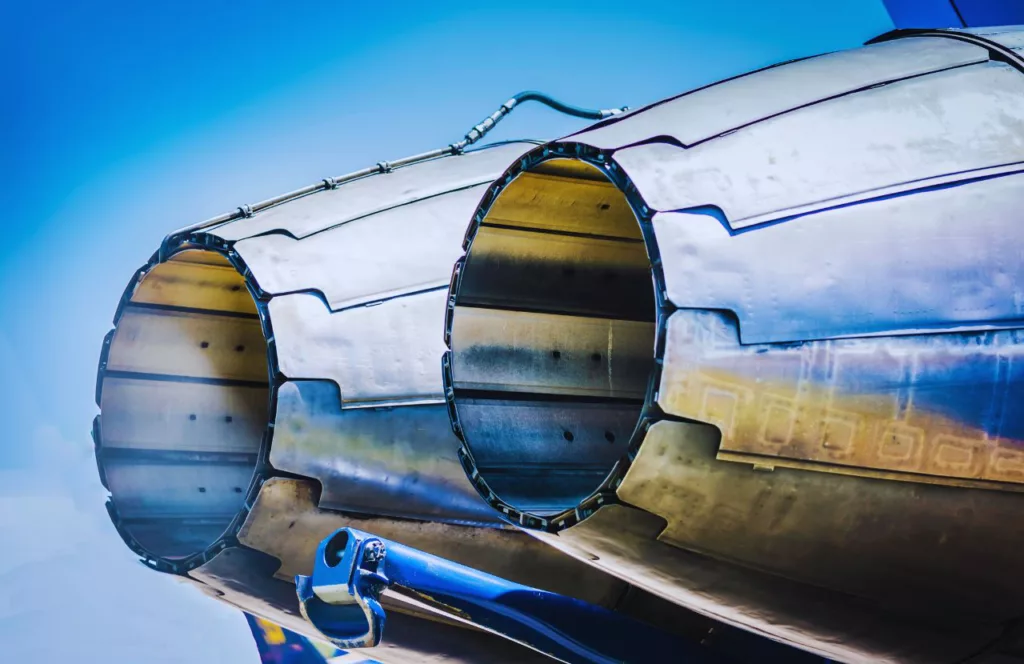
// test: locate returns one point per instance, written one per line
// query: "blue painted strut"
(353, 568)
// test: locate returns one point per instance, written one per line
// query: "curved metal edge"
(605, 494)
(263, 470)
(633, 112)
(996, 50)
(246, 211)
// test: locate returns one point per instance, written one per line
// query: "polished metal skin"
(807, 425)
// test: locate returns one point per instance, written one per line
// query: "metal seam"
(1004, 53)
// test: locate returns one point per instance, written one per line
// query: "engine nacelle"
(757, 348)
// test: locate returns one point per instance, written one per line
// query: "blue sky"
(124, 121)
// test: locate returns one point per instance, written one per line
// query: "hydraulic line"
(472, 136)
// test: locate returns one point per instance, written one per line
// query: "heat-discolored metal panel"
(361, 261)
(197, 487)
(385, 461)
(941, 406)
(195, 286)
(1010, 36)
(375, 354)
(545, 455)
(376, 193)
(189, 344)
(906, 263)
(151, 414)
(863, 537)
(519, 351)
(558, 273)
(623, 541)
(543, 201)
(947, 126)
(716, 109)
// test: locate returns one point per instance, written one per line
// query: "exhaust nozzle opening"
(552, 336)
(183, 402)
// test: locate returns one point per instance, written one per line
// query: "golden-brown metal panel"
(862, 404)
(196, 286)
(860, 536)
(556, 203)
(185, 343)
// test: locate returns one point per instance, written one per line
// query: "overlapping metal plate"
(836, 252)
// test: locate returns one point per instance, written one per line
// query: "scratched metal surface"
(378, 355)
(948, 126)
(716, 109)
(939, 258)
(358, 262)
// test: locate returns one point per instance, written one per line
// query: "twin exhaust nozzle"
(749, 350)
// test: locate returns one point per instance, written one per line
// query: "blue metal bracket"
(352, 569)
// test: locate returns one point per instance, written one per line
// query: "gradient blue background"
(121, 122)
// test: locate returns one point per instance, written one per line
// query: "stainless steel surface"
(947, 126)
(377, 354)
(577, 273)
(372, 459)
(1010, 36)
(541, 353)
(948, 257)
(310, 214)
(361, 261)
(936, 408)
(716, 109)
